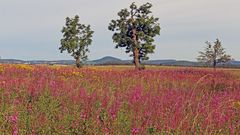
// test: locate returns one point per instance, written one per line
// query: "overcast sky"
(31, 29)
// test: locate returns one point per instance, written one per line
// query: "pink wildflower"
(135, 130)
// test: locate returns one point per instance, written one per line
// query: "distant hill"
(11, 61)
(15, 61)
(109, 60)
(183, 63)
(234, 63)
(158, 62)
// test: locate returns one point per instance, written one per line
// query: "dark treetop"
(135, 30)
(76, 39)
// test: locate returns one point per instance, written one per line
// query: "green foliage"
(135, 29)
(214, 54)
(76, 39)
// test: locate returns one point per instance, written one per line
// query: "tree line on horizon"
(134, 30)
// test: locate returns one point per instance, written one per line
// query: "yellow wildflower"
(236, 105)
(24, 67)
(77, 74)
(1, 68)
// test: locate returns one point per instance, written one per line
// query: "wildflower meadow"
(64, 100)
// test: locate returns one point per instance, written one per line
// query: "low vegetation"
(118, 100)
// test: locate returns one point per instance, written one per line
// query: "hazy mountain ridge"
(109, 60)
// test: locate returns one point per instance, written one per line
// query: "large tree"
(135, 29)
(214, 54)
(76, 39)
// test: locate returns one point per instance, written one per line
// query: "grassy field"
(44, 100)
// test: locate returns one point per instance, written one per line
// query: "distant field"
(163, 100)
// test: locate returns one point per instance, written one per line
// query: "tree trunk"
(78, 62)
(136, 59)
(214, 64)
(136, 51)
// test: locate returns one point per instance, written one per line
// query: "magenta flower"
(15, 131)
(135, 130)
(14, 118)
